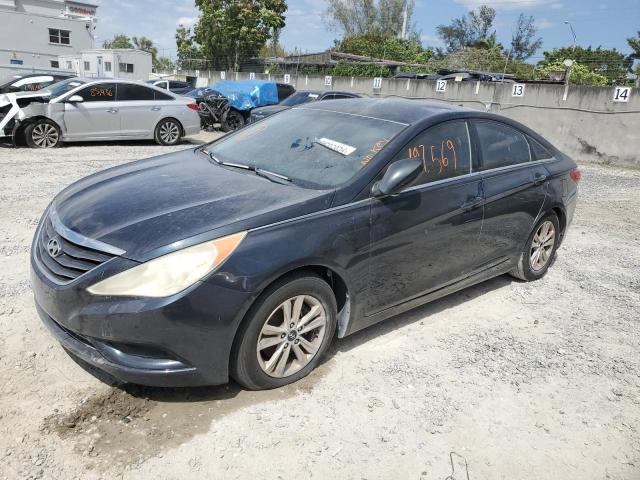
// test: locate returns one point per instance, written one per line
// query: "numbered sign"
(252, 76)
(441, 86)
(377, 83)
(621, 94)
(327, 80)
(287, 78)
(223, 75)
(517, 90)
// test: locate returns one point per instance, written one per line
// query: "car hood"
(146, 206)
(270, 110)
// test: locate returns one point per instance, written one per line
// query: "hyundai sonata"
(247, 256)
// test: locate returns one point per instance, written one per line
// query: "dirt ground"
(504, 380)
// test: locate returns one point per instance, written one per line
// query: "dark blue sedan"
(246, 257)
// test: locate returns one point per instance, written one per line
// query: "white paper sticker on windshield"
(336, 146)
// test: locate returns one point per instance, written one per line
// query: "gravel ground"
(504, 380)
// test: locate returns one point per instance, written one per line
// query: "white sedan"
(80, 109)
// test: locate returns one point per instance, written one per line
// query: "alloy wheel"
(291, 336)
(169, 132)
(542, 246)
(45, 135)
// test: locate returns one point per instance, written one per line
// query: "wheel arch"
(336, 281)
(169, 118)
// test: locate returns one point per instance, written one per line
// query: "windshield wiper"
(261, 172)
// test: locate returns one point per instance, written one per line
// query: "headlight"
(171, 273)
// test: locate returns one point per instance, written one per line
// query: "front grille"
(71, 261)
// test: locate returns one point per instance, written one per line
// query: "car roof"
(394, 109)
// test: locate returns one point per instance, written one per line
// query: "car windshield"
(60, 88)
(314, 148)
(6, 81)
(299, 98)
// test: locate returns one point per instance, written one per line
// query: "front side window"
(314, 148)
(100, 92)
(62, 37)
(131, 92)
(501, 145)
(443, 150)
(178, 85)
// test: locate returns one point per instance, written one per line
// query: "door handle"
(540, 178)
(471, 204)
(112, 110)
(155, 109)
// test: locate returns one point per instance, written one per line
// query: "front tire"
(43, 134)
(168, 132)
(233, 121)
(540, 250)
(285, 334)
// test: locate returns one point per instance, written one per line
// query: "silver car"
(80, 109)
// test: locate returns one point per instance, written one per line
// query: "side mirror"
(75, 99)
(398, 175)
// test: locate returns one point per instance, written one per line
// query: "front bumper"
(183, 340)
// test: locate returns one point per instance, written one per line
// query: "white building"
(34, 33)
(109, 63)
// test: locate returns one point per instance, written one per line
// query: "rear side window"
(100, 92)
(443, 150)
(538, 152)
(178, 85)
(130, 92)
(162, 96)
(501, 145)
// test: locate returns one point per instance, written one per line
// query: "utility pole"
(403, 34)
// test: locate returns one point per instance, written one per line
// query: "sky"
(596, 22)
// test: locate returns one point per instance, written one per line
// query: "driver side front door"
(425, 237)
(96, 117)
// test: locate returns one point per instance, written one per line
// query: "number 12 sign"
(441, 86)
(621, 94)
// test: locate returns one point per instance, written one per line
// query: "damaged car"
(80, 109)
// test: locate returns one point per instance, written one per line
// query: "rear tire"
(233, 121)
(274, 348)
(43, 134)
(540, 250)
(168, 132)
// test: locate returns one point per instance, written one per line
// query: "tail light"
(193, 106)
(576, 175)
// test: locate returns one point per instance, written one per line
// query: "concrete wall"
(588, 124)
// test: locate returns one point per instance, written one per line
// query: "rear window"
(315, 148)
(501, 145)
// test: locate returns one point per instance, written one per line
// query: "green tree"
(230, 31)
(387, 47)
(489, 43)
(146, 45)
(163, 64)
(363, 17)
(524, 42)
(611, 64)
(580, 74)
(467, 31)
(634, 43)
(118, 41)
(189, 52)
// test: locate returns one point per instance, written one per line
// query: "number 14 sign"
(621, 94)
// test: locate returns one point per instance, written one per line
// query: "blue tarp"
(248, 94)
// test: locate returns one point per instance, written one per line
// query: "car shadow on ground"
(426, 312)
